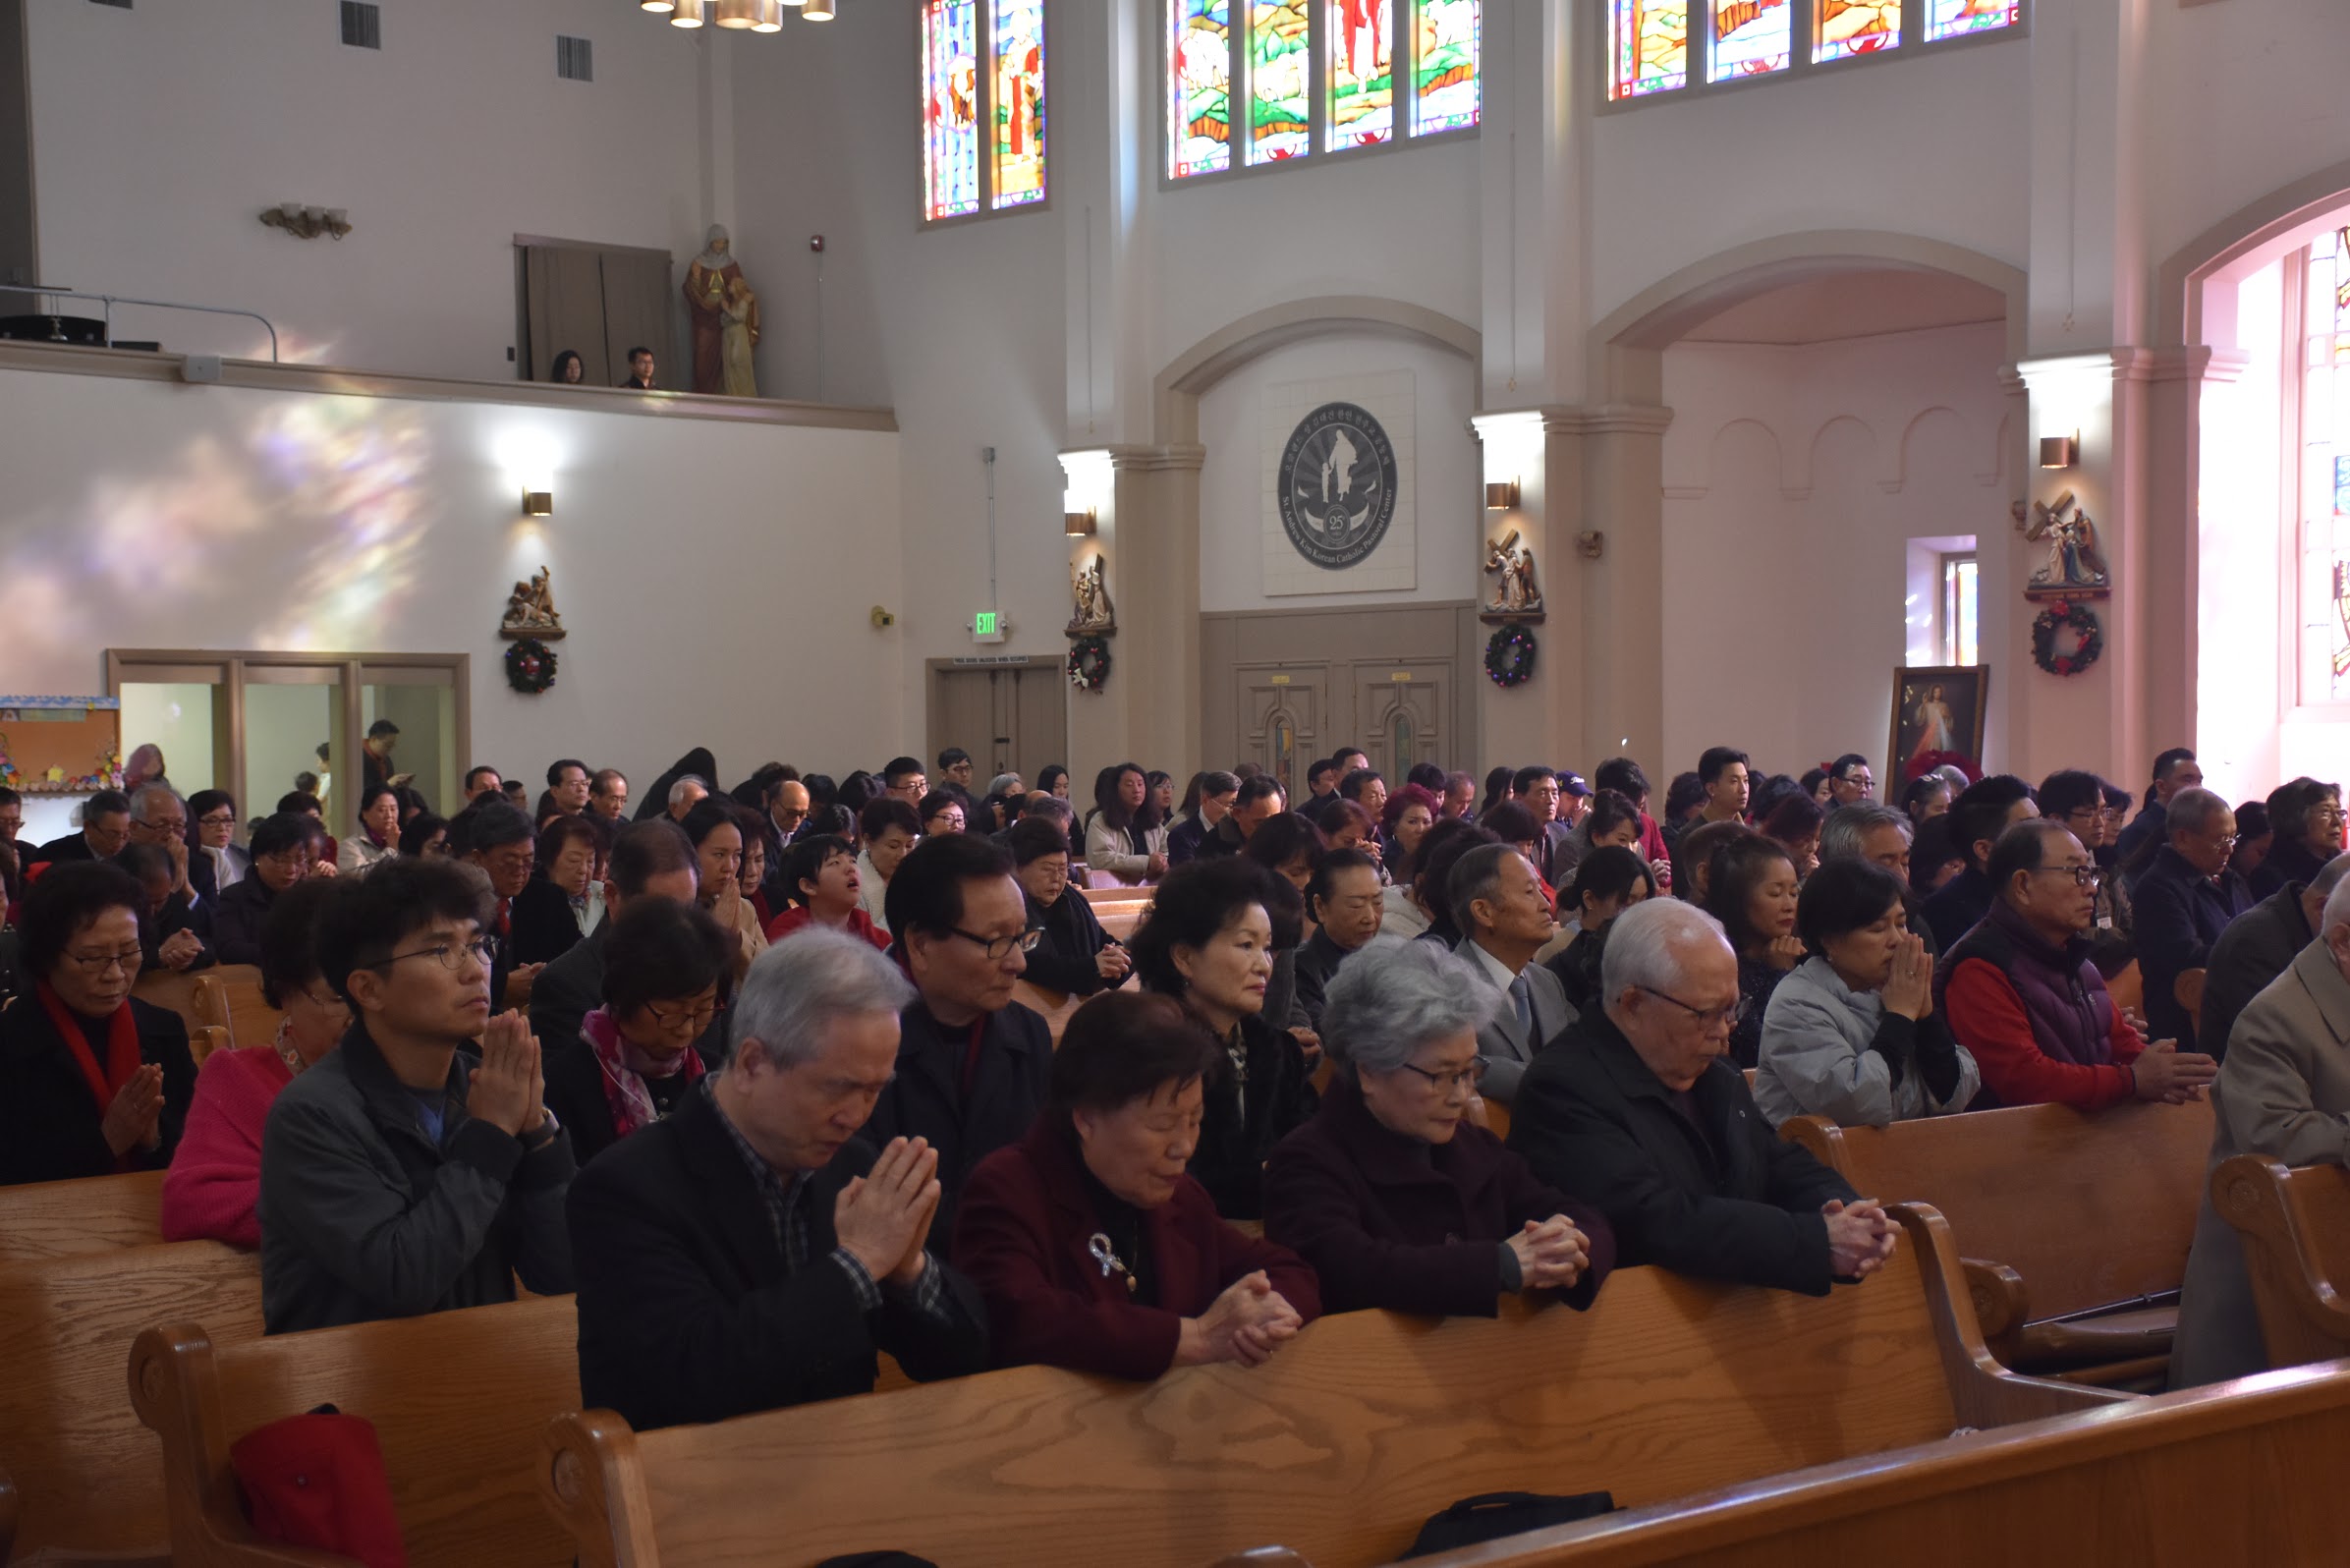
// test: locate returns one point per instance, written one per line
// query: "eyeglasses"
(217, 820)
(96, 963)
(453, 956)
(2082, 875)
(1000, 946)
(1468, 1077)
(327, 1002)
(1708, 1018)
(685, 1020)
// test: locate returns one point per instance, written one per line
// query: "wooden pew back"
(1101, 896)
(197, 998)
(1120, 920)
(457, 1398)
(2239, 1472)
(89, 1477)
(94, 1214)
(2089, 1210)
(1055, 1006)
(2295, 1227)
(1338, 1448)
(241, 1011)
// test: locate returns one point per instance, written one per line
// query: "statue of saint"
(531, 609)
(707, 281)
(1090, 587)
(737, 338)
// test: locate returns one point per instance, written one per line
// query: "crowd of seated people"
(750, 1069)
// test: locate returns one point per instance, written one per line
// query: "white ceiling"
(1858, 305)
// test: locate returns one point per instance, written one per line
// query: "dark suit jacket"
(1391, 1221)
(544, 924)
(1730, 1202)
(1064, 957)
(1316, 962)
(2250, 954)
(58, 851)
(237, 918)
(177, 914)
(1238, 1130)
(2287, 862)
(49, 1125)
(1023, 1237)
(1958, 907)
(927, 1100)
(2180, 914)
(569, 988)
(689, 1310)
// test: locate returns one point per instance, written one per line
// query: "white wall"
(1442, 477)
(162, 132)
(1795, 479)
(714, 578)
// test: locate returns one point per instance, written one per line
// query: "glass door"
(421, 706)
(293, 740)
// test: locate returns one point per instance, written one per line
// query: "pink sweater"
(215, 1175)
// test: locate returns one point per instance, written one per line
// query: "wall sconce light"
(308, 223)
(1589, 544)
(1502, 497)
(538, 503)
(1077, 525)
(2060, 451)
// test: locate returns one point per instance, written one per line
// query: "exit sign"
(988, 626)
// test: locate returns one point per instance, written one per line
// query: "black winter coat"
(927, 1100)
(50, 1124)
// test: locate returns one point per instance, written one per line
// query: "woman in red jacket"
(215, 1177)
(1093, 1246)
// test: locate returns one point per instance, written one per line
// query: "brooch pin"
(1099, 1245)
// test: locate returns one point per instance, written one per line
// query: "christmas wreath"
(2051, 622)
(1090, 662)
(1509, 656)
(530, 666)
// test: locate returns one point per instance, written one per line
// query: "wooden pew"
(88, 1478)
(204, 1039)
(2188, 992)
(234, 1002)
(1056, 1006)
(1120, 920)
(1338, 1448)
(197, 997)
(2060, 1215)
(94, 1215)
(457, 1398)
(2242, 1473)
(2295, 1227)
(1098, 896)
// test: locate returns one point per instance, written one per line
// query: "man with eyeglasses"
(974, 1065)
(501, 842)
(785, 806)
(2185, 899)
(177, 928)
(2022, 995)
(651, 859)
(93, 1081)
(11, 825)
(401, 1175)
(105, 829)
(1637, 1111)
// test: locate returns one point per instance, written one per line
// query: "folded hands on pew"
(883, 1218)
(1551, 1254)
(1247, 1324)
(508, 1089)
(1860, 1236)
(2174, 1077)
(135, 1116)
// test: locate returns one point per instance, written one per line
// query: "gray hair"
(2195, 811)
(1646, 942)
(1392, 995)
(2330, 876)
(1474, 875)
(802, 984)
(1844, 834)
(1002, 783)
(144, 797)
(677, 791)
(2337, 907)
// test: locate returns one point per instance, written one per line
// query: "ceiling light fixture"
(688, 14)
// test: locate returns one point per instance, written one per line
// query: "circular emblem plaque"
(1337, 485)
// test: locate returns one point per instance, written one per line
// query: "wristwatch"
(533, 1141)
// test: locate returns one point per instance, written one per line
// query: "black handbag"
(1492, 1515)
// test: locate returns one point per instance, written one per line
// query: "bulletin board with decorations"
(60, 745)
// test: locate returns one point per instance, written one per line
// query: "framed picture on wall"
(1937, 719)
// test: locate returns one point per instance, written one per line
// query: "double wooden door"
(1012, 718)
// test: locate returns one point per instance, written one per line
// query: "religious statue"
(1514, 590)
(709, 285)
(531, 611)
(1090, 589)
(2074, 569)
(736, 339)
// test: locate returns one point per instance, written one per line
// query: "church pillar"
(1145, 504)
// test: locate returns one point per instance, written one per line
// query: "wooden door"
(1399, 716)
(1283, 719)
(962, 713)
(1033, 732)
(563, 291)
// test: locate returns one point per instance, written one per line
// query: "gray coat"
(1508, 1045)
(364, 1216)
(1816, 1062)
(2284, 1091)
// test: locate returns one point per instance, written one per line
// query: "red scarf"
(121, 1050)
(625, 1068)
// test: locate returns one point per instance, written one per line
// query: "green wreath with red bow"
(1090, 662)
(1509, 656)
(2051, 625)
(530, 666)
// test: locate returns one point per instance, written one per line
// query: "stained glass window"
(1362, 72)
(1648, 46)
(2326, 472)
(1445, 85)
(1279, 81)
(1019, 51)
(1847, 27)
(1953, 19)
(950, 108)
(1751, 37)
(1200, 94)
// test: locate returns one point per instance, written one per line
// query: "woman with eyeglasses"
(285, 850)
(563, 901)
(215, 1177)
(716, 833)
(1208, 941)
(1852, 1033)
(1395, 1193)
(1073, 954)
(667, 973)
(2305, 826)
(93, 1082)
(218, 862)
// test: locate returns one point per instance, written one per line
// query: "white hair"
(1844, 835)
(2194, 810)
(2337, 907)
(807, 982)
(677, 791)
(144, 797)
(1648, 943)
(1392, 995)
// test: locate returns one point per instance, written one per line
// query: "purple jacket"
(1388, 1220)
